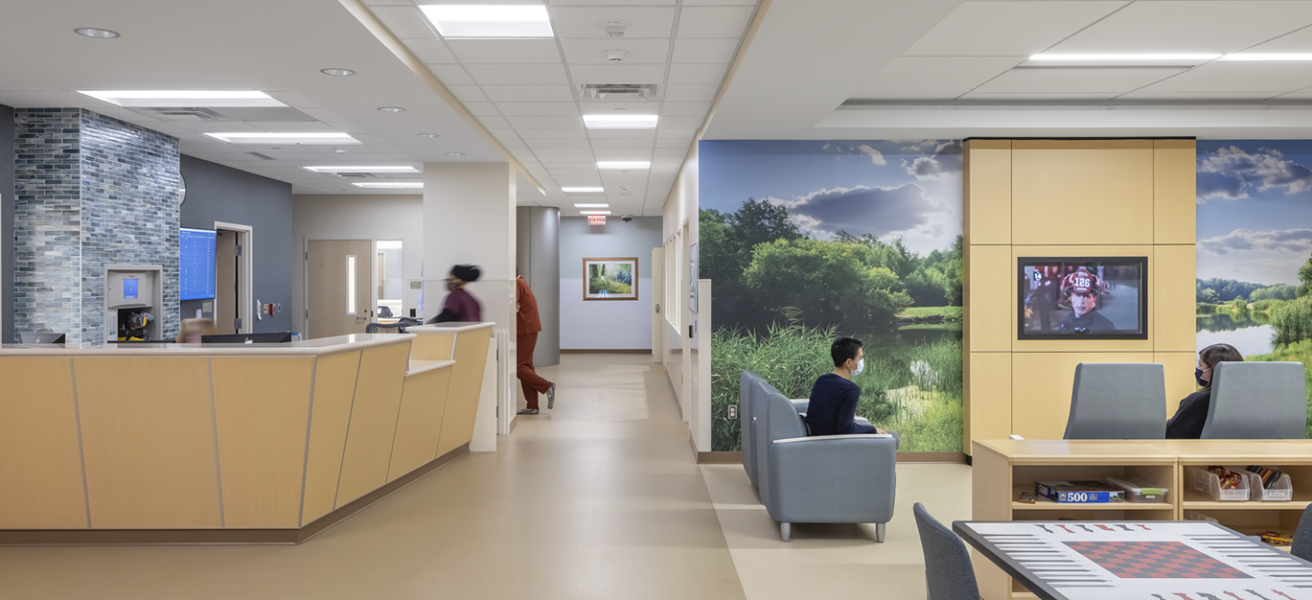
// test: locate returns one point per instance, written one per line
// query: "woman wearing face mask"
(1187, 424)
(832, 410)
(460, 305)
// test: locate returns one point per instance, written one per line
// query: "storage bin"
(1206, 482)
(1282, 491)
(1193, 515)
(1138, 489)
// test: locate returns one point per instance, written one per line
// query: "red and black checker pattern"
(1155, 560)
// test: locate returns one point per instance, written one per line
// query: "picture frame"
(613, 279)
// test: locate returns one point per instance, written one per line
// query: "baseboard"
(604, 351)
(156, 537)
(956, 458)
(719, 458)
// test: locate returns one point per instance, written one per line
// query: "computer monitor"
(42, 338)
(248, 338)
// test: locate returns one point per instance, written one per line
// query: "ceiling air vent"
(617, 92)
(184, 115)
(261, 156)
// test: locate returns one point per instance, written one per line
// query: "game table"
(1150, 560)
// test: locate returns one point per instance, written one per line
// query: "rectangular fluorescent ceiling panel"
(183, 98)
(266, 138)
(583, 190)
(620, 121)
(594, 212)
(386, 169)
(1258, 56)
(489, 20)
(591, 206)
(623, 164)
(1121, 61)
(390, 185)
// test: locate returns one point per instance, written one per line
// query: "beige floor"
(598, 498)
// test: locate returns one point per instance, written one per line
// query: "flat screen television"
(196, 248)
(1082, 298)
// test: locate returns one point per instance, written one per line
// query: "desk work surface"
(317, 346)
(1151, 560)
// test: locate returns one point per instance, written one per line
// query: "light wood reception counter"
(188, 443)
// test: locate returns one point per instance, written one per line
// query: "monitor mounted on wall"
(1063, 298)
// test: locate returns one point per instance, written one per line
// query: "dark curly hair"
(466, 273)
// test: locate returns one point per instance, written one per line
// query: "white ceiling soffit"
(526, 92)
(961, 70)
(168, 45)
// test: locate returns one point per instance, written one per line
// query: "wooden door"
(339, 299)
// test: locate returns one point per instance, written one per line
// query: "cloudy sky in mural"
(1254, 210)
(907, 189)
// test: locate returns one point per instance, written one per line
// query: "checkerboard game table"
(1151, 560)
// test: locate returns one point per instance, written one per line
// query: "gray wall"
(6, 224)
(612, 324)
(219, 193)
(537, 253)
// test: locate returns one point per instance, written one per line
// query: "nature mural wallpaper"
(1254, 287)
(807, 241)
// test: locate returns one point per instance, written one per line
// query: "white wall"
(611, 324)
(384, 217)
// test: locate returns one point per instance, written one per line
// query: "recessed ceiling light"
(489, 21)
(594, 212)
(429, 135)
(1198, 57)
(337, 72)
(583, 190)
(362, 169)
(455, 153)
(96, 32)
(390, 185)
(620, 121)
(1256, 56)
(591, 206)
(182, 98)
(623, 164)
(308, 138)
(391, 109)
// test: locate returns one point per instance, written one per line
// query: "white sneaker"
(551, 396)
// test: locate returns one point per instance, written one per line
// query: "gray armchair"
(1302, 547)
(1117, 401)
(748, 384)
(1257, 401)
(823, 479)
(949, 574)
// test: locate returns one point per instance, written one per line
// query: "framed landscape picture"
(610, 278)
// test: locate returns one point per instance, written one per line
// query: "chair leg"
(879, 532)
(785, 531)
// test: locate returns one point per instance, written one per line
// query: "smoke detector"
(615, 55)
(613, 28)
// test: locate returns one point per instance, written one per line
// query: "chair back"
(948, 572)
(776, 419)
(747, 396)
(1117, 401)
(1302, 547)
(1257, 401)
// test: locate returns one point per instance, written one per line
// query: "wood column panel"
(990, 324)
(1175, 184)
(1082, 192)
(987, 192)
(261, 408)
(1172, 307)
(330, 415)
(433, 346)
(41, 485)
(149, 442)
(466, 386)
(1042, 383)
(373, 421)
(419, 425)
(988, 391)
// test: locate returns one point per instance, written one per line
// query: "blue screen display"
(196, 262)
(130, 288)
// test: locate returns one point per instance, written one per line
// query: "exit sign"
(596, 219)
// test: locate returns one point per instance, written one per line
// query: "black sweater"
(833, 407)
(1187, 424)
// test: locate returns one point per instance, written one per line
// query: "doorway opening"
(234, 259)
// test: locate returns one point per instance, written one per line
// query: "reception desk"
(260, 443)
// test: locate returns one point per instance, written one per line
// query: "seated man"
(834, 397)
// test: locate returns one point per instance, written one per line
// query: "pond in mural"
(1249, 332)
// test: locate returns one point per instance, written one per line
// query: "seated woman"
(1187, 424)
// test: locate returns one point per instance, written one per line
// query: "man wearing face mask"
(834, 396)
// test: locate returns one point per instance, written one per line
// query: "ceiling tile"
(513, 144)
(430, 51)
(672, 152)
(404, 21)
(504, 133)
(1190, 26)
(714, 22)
(450, 74)
(635, 146)
(683, 143)
(1074, 80)
(690, 93)
(704, 74)
(505, 51)
(388, 3)
(685, 122)
(937, 75)
(1008, 28)
(491, 122)
(612, 2)
(536, 143)
(685, 109)
(581, 22)
(519, 74)
(1273, 77)
(585, 51)
(528, 93)
(545, 153)
(610, 108)
(547, 134)
(704, 51)
(546, 122)
(719, 2)
(321, 114)
(482, 109)
(617, 73)
(538, 109)
(467, 93)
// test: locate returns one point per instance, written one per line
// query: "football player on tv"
(1083, 288)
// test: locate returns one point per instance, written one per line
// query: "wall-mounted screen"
(1083, 298)
(196, 262)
